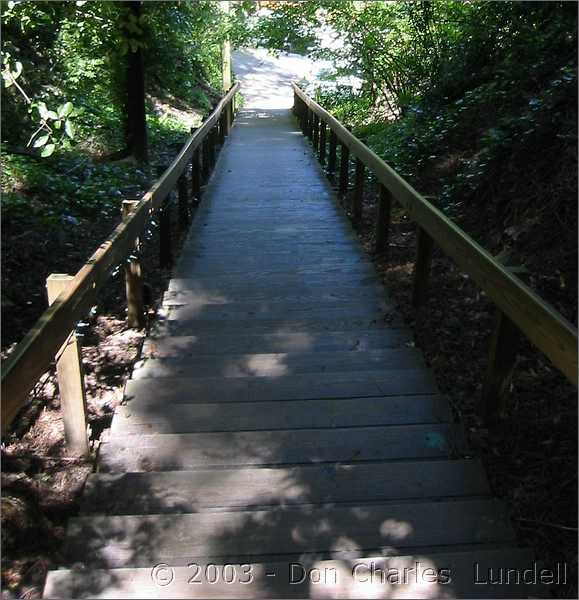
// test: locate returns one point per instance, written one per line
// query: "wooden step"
(289, 294)
(459, 574)
(240, 489)
(274, 365)
(325, 324)
(240, 536)
(358, 384)
(286, 282)
(240, 311)
(287, 270)
(170, 452)
(195, 345)
(135, 417)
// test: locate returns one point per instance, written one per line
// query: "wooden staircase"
(282, 437)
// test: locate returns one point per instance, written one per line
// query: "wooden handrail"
(544, 326)
(35, 352)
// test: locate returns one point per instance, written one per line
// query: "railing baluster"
(165, 242)
(504, 345)
(424, 248)
(309, 123)
(196, 174)
(183, 202)
(358, 197)
(344, 169)
(332, 153)
(383, 219)
(133, 278)
(70, 375)
(322, 145)
(316, 132)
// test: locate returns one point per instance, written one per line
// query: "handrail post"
(424, 248)
(358, 191)
(316, 132)
(133, 278)
(309, 118)
(221, 128)
(205, 159)
(196, 173)
(344, 169)
(303, 116)
(165, 250)
(332, 153)
(196, 170)
(503, 348)
(383, 218)
(322, 149)
(183, 202)
(70, 376)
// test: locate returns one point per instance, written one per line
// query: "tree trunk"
(136, 122)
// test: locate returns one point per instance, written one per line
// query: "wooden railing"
(70, 297)
(519, 308)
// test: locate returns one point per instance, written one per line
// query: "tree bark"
(136, 121)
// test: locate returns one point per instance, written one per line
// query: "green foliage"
(73, 54)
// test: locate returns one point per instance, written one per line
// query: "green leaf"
(41, 141)
(51, 115)
(48, 150)
(69, 128)
(65, 109)
(58, 124)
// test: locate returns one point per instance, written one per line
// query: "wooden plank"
(346, 577)
(170, 452)
(299, 414)
(383, 216)
(424, 249)
(273, 343)
(278, 310)
(195, 491)
(290, 269)
(328, 279)
(540, 322)
(122, 541)
(293, 387)
(272, 365)
(70, 376)
(289, 294)
(269, 326)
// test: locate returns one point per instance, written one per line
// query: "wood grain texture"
(122, 541)
(243, 489)
(177, 451)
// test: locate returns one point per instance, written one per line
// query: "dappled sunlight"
(397, 530)
(270, 365)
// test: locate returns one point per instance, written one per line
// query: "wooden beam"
(322, 144)
(383, 218)
(183, 202)
(344, 169)
(70, 377)
(133, 278)
(424, 248)
(358, 197)
(545, 327)
(332, 153)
